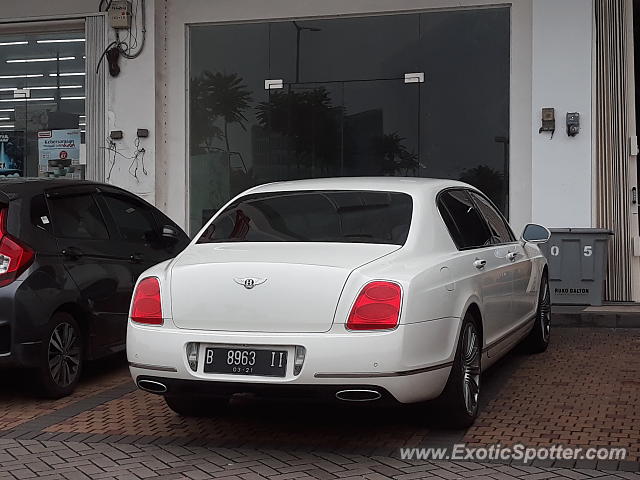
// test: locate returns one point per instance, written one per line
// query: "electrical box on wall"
(573, 124)
(120, 14)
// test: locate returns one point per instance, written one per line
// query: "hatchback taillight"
(15, 257)
(377, 307)
(146, 307)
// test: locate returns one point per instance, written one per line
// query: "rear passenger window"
(330, 216)
(40, 213)
(500, 231)
(77, 216)
(466, 226)
(134, 220)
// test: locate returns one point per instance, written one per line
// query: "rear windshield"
(318, 216)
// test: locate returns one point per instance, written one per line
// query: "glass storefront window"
(42, 100)
(344, 108)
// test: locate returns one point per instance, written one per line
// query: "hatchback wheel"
(62, 357)
(538, 339)
(462, 392)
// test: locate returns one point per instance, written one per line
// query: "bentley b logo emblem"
(249, 283)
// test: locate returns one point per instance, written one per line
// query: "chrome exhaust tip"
(152, 386)
(358, 395)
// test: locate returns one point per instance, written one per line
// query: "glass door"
(42, 104)
(328, 97)
(342, 128)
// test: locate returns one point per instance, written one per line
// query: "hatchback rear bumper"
(23, 355)
(20, 335)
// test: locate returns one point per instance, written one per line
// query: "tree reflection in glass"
(216, 96)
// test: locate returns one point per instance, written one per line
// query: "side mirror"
(534, 233)
(170, 234)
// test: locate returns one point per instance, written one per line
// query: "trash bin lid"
(582, 231)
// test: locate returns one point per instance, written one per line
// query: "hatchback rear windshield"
(314, 216)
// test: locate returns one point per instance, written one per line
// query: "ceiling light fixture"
(6, 126)
(48, 87)
(73, 74)
(4, 119)
(6, 44)
(7, 109)
(72, 98)
(53, 87)
(34, 60)
(62, 40)
(31, 75)
(40, 99)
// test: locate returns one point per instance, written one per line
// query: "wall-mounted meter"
(120, 14)
(548, 121)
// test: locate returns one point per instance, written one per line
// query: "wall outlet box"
(120, 14)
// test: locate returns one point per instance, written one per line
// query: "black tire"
(196, 407)
(460, 397)
(538, 339)
(61, 357)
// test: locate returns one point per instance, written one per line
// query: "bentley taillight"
(377, 307)
(146, 306)
(15, 257)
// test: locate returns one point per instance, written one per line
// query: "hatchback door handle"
(136, 258)
(479, 264)
(72, 253)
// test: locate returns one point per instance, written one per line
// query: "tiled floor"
(584, 391)
(19, 405)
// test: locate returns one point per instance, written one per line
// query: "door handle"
(479, 264)
(136, 258)
(511, 256)
(72, 252)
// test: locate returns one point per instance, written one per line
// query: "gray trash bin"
(577, 265)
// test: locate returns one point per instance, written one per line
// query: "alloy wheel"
(64, 354)
(471, 367)
(545, 312)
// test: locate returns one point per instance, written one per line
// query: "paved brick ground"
(584, 392)
(75, 460)
(19, 405)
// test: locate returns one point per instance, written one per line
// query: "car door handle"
(479, 264)
(136, 258)
(72, 253)
(511, 256)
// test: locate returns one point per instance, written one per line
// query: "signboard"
(58, 145)
(11, 153)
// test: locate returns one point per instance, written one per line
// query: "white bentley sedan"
(352, 289)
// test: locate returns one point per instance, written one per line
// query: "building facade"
(234, 94)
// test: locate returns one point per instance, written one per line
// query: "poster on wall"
(11, 153)
(58, 145)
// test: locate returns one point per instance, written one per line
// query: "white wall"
(130, 106)
(562, 78)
